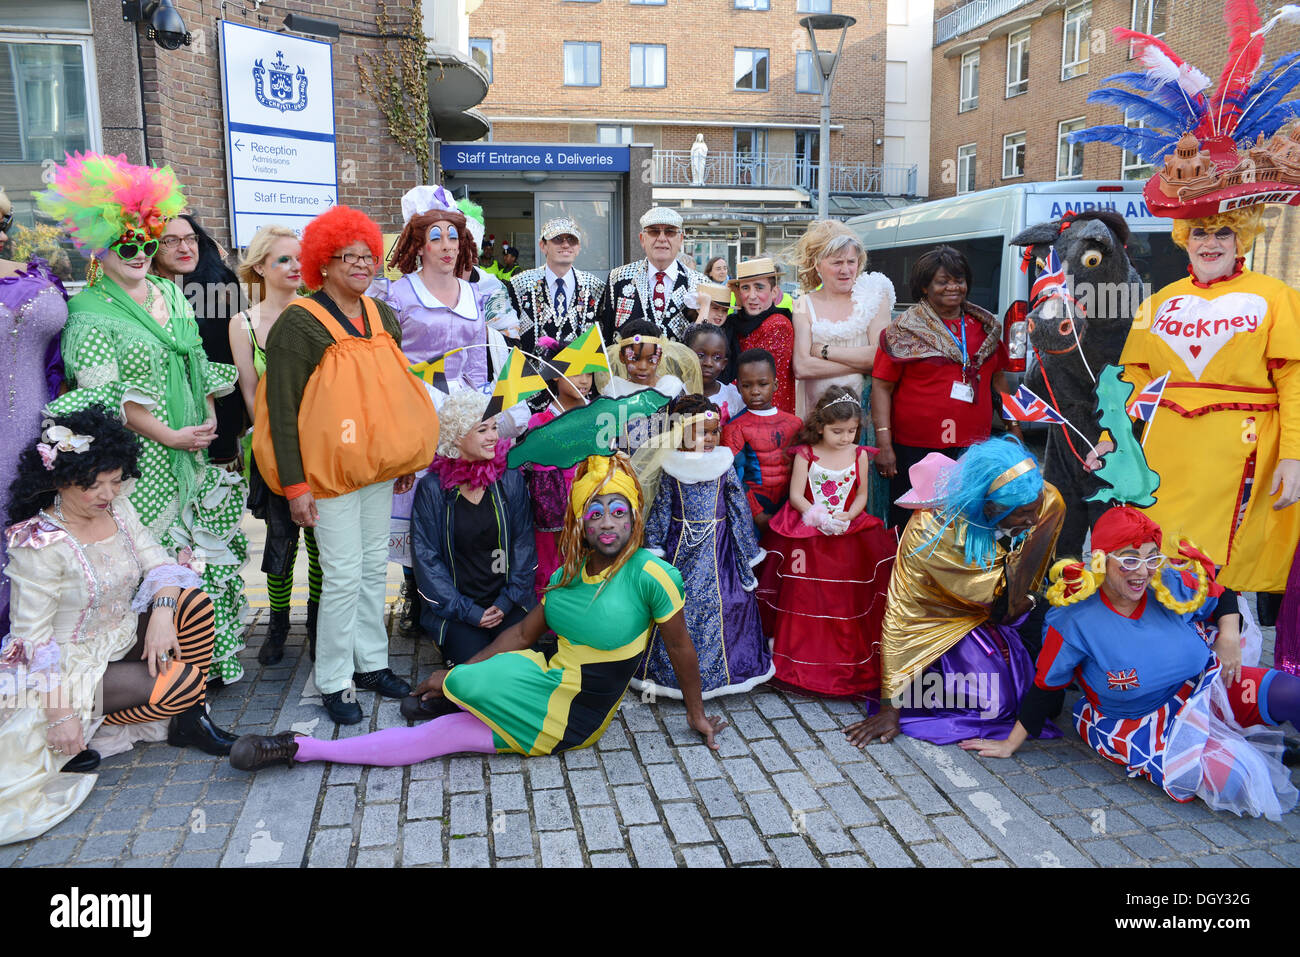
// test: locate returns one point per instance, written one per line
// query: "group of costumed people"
(751, 518)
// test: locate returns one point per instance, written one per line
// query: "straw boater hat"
(661, 216)
(560, 226)
(712, 292)
(754, 269)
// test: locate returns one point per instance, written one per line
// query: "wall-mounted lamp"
(166, 28)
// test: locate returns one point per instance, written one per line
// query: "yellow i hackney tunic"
(1231, 408)
(535, 707)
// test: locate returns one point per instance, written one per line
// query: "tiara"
(844, 398)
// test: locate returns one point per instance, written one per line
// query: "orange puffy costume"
(1230, 411)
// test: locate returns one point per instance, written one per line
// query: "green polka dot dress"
(186, 503)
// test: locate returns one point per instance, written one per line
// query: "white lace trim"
(873, 298)
(164, 576)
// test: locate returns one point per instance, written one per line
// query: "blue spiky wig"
(968, 488)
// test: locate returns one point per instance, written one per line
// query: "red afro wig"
(332, 230)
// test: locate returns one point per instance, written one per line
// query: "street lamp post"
(826, 62)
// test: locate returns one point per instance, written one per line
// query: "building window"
(648, 3)
(970, 81)
(966, 168)
(807, 154)
(814, 6)
(807, 79)
(1013, 155)
(1018, 63)
(649, 64)
(753, 4)
(480, 49)
(614, 135)
(1074, 40)
(1132, 166)
(750, 69)
(581, 63)
(1069, 156)
(751, 156)
(1149, 16)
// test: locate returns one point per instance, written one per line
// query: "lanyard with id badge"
(962, 391)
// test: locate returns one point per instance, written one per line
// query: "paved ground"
(784, 790)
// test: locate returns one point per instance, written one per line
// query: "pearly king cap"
(561, 226)
(754, 269)
(661, 216)
(421, 199)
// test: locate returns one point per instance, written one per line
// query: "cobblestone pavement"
(785, 789)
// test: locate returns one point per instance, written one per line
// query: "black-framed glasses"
(7, 221)
(354, 259)
(129, 250)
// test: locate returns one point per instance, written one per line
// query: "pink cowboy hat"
(924, 476)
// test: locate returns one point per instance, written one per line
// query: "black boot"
(313, 607)
(272, 650)
(255, 751)
(195, 727)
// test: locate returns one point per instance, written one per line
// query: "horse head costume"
(1075, 333)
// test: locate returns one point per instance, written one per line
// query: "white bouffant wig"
(457, 418)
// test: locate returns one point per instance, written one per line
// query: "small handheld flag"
(1026, 406)
(516, 382)
(584, 354)
(1144, 406)
(1051, 280)
(434, 371)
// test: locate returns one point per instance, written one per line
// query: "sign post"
(279, 123)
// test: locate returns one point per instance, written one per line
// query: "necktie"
(660, 297)
(561, 301)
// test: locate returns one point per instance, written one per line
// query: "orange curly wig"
(331, 231)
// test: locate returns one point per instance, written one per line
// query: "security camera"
(166, 28)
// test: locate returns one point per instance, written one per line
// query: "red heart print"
(1194, 350)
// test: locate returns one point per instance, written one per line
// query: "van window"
(985, 255)
(1154, 255)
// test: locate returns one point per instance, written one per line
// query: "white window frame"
(1132, 166)
(968, 100)
(645, 49)
(1078, 15)
(966, 159)
(752, 4)
(1148, 6)
(1070, 149)
(1009, 148)
(93, 129)
(1018, 44)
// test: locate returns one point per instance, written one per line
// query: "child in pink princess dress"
(822, 588)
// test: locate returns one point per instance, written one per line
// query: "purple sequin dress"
(33, 309)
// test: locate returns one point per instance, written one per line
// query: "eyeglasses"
(355, 259)
(1223, 234)
(171, 242)
(1131, 563)
(6, 222)
(129, 250)
(656, 231)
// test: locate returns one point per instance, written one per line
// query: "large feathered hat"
(1213, 150)
(100, 199)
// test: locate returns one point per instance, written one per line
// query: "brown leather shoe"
(255, 751)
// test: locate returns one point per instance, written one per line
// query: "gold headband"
(1017, 470)
(640, 340)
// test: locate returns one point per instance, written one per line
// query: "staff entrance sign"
(279, 113)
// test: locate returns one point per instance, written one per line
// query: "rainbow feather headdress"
(1213, 150)
(100, 199)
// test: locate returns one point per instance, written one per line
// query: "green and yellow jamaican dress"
(538, 708)
(115, 353)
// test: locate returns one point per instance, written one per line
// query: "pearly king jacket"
(526, 294)
(628, 296)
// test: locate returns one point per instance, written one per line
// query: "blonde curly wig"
(1247, 223)
(459, 415)
(824, 237)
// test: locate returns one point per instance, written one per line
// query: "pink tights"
(394, 747)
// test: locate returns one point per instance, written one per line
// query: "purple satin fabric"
(1286, 646)
(995, 654)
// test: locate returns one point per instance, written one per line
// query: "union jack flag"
(1026, 406)
(1122, 680)
(1051, 280)
(1143, 407)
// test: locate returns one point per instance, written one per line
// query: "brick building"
(75, 76)
(739, 73)
(1011, 78)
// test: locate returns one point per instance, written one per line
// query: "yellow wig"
(1247, 222)
(1073, 582)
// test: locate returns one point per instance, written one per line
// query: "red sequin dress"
(776, 335)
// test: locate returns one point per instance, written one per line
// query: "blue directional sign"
(563, 157)
(279, 112)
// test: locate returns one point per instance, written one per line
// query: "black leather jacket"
(432, 534)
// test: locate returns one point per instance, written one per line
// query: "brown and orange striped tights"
(132, 696)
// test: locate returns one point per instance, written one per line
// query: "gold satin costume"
(936, 598)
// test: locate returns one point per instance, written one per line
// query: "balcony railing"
(781, 171)
(972, 15)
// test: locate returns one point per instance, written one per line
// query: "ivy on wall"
(396, 78)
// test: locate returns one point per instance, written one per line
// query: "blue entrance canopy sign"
(556, 157)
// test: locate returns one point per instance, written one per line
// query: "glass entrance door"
(594, 214)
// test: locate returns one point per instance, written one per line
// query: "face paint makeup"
(607, 524)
